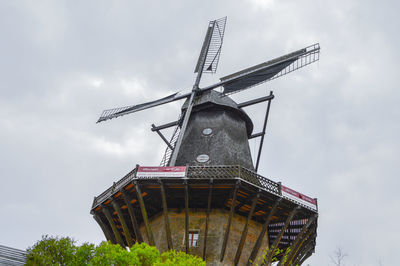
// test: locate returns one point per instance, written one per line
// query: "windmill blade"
(216, 30)
(116, 112)
(269, 70)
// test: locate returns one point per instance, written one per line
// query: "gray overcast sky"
(333, 131)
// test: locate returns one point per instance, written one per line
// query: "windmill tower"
(206, 198)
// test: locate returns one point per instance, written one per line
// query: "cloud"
(333, 127)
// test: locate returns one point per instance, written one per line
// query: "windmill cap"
(213, 99)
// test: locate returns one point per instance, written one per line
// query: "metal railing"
(201, 172)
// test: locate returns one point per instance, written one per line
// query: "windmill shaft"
(194, 92)
(183, 128)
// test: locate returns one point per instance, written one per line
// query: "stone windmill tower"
(206, 198)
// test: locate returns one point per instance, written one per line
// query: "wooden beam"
(306, 240)
(166, 219)
(304, 248)
(128, 236)
(245, 228)
(306, 256)
(262, 233)
(228, 226)
(113, 226)
(109, 236)
(271, 251)
(207, 219)
(295, 245)
(136, 229)
(186, 217)
(144, 214)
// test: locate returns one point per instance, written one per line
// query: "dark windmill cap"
(213, 99)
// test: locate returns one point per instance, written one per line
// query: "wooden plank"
(228, 226)
(114, 228)
(245, 228)
(136, 229)
(295, 245)
(166, 219)
(264, 229)
(144, 214)
(186, 217)
(128, 236)
(109, 236)
(271, 251)
(207, 218)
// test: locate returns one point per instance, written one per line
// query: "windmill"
(208, 172)
(236, 82)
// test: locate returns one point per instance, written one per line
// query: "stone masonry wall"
(217, 224)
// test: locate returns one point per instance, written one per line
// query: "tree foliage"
(64, 251)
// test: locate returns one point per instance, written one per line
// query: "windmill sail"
(269, 70)
(216, 29)
(116, 112)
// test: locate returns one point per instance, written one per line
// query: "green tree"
(51, 251)
(180, 258)
(64, 251)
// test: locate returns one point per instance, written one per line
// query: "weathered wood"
(109, 236)
(166, 219)
(305, 241)
(228, 226)
(295, 245)
(207, 219)
(128, 236)
(113, 226)
(144, 214)
(127, 199)
(258, 243)
(186, 217)
(306, 256)
(305, 247)
(271, 251)
(245, 228)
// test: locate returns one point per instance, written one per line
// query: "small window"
(207, 131)
(202, 158)
(193, 238)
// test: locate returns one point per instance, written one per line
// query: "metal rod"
(255, 101)
(263, 131)
(166, 220)
(186, 217)
(144, 214)
(131, 211)
(245, 228)
(258, 243)
(228, 226)
(277, 240)
(128, 236)
(162, 137)
(256, 135)
(207, 218)
(171, 124)
(113, 226)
